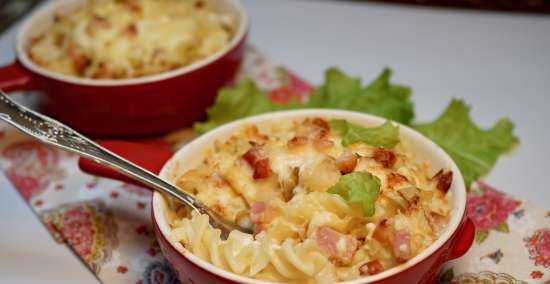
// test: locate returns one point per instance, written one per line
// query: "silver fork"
(55, 133)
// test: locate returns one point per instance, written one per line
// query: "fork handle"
(55, 133)
(150, 157)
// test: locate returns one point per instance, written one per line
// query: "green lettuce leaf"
(385, 135)
(358, 187)
(242, 100)
(380, 97)
(473, 149)
(339, 91)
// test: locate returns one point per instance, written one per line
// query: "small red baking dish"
(127, 107)
(422, 269)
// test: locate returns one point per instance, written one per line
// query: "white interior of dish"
(424, 149)
(42, 19)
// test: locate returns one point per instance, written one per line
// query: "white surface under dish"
(498, 62)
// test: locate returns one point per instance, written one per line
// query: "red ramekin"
(141, 106)
(423, 268)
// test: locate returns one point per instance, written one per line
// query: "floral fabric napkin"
(108, 224)
(512, 241)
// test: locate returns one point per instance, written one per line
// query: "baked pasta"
(115, 39)
(328, 201)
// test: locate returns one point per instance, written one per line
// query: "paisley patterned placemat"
(108, 225)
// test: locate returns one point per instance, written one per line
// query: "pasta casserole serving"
(115, 39)
(328, 200)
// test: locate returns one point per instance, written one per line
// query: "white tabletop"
(498, 62)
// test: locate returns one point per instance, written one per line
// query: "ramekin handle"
(14, 77)
(151, 155)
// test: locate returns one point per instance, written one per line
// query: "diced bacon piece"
(261, 169)
(252, 156)
(346, 162)
(256, 160)
(384, 157)
(401, 245)
(444, 180)
(261, 214)
(370, 268)
(256, 211)
(338, 246)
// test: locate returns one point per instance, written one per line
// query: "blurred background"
(535, 6)
(10, 10)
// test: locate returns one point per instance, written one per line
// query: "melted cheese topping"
(304, 233)
(113, 39)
